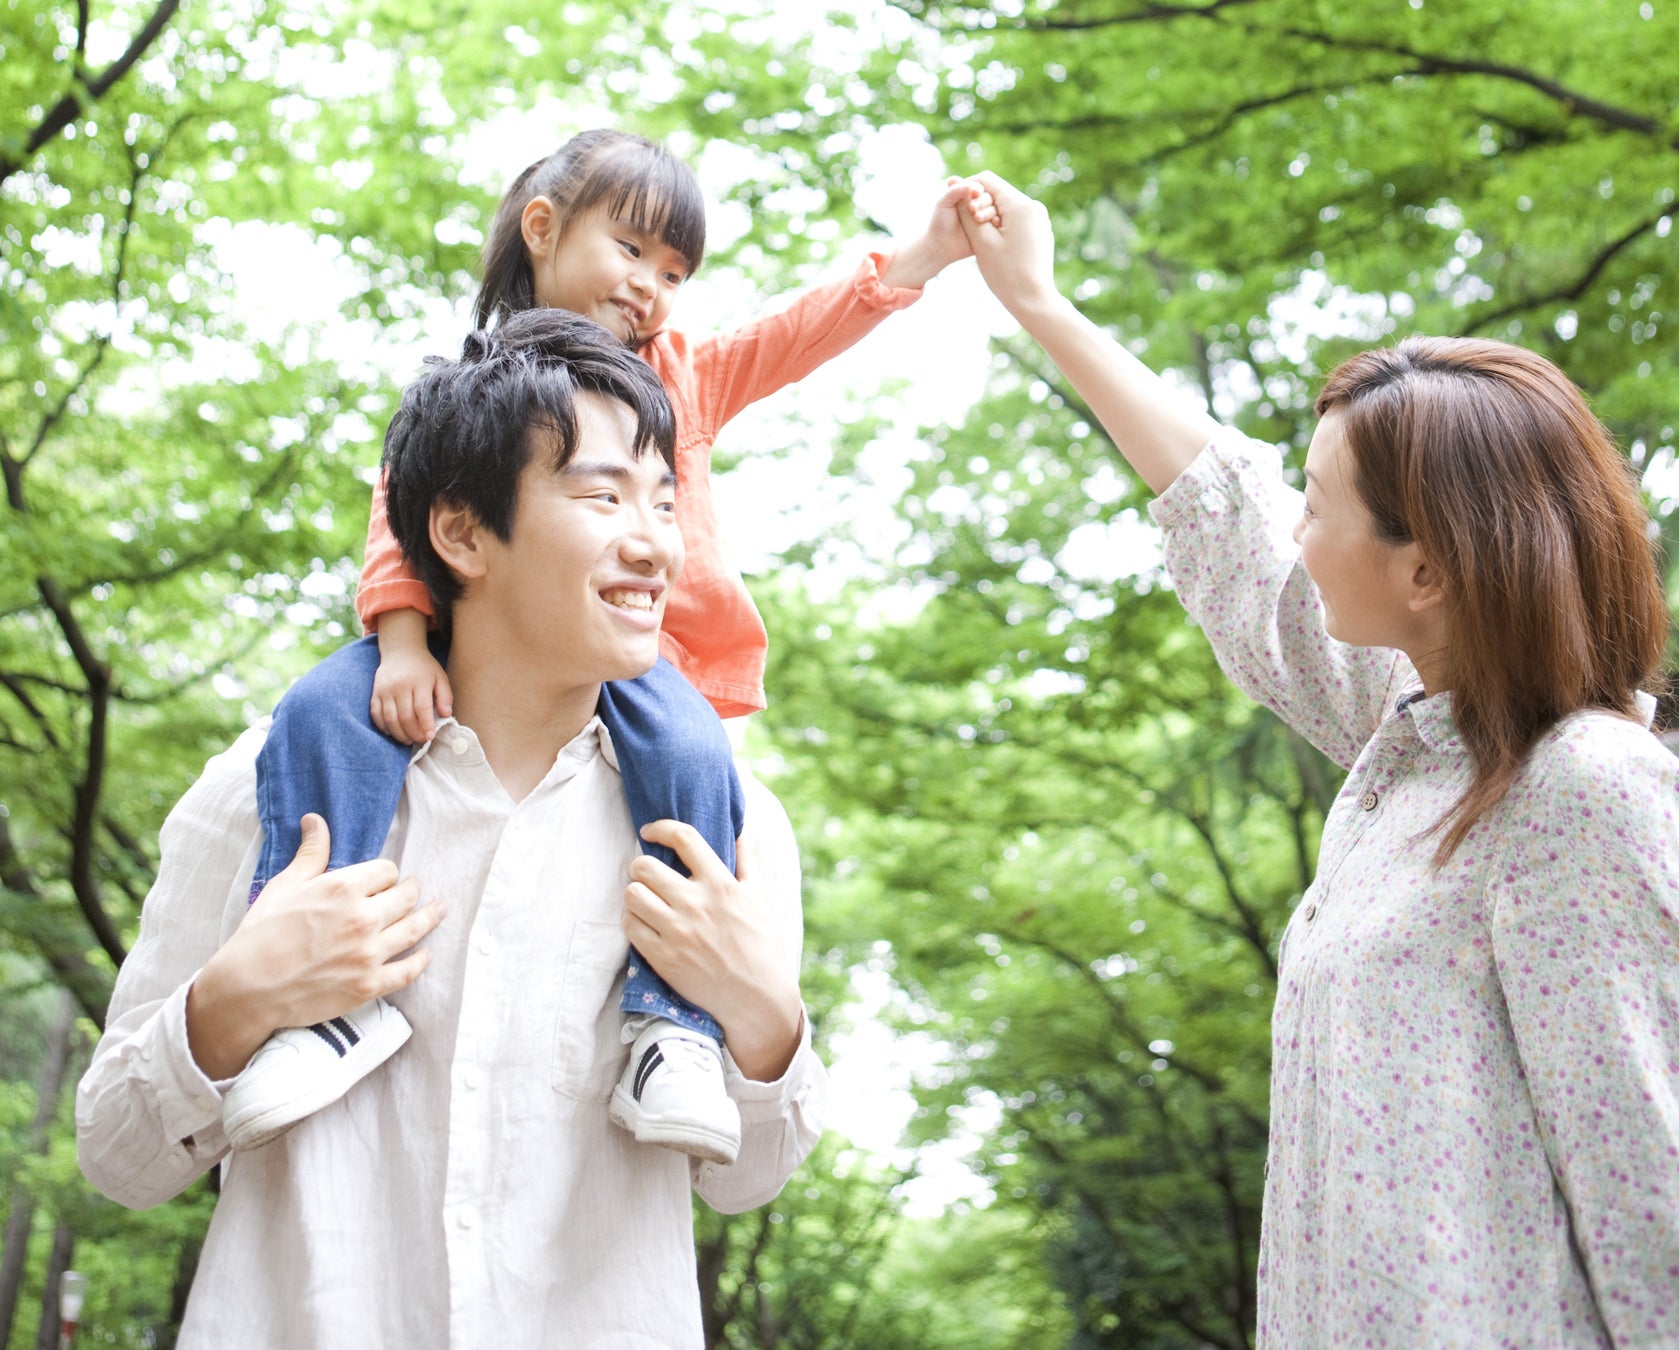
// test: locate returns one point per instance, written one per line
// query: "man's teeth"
(629, 599)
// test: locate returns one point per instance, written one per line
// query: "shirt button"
(458, 744)
(469, 1077)
(466, 1218)
(1369, 800)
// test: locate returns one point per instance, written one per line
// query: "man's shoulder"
(227, 786)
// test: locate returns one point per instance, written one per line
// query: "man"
(471, 1191)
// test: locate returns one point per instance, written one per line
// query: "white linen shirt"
(1475, 1088)
(470, 1192)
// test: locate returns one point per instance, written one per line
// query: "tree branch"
(75, 100)
(1578, 287)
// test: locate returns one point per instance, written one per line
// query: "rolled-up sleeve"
(148, 1121)
(781, 1121)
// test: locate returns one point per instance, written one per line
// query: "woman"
(1475, 1105)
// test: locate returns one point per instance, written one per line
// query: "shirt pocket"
(588, 1050)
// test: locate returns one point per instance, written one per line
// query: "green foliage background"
(1028, 801)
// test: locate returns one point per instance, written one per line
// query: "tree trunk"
(14, 1246)
(58, 1261)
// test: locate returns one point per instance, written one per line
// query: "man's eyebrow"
(589, 468)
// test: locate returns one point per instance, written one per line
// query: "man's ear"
(459, 538)
(538, 223)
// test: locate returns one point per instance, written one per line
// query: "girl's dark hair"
(633, 177)
(1486, 456)
(467, 428)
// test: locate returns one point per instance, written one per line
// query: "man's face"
(580, 586)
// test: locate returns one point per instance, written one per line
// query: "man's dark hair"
(466, 428)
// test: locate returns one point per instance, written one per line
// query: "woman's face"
(1369, 588)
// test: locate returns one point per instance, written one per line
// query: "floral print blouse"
(1475, 1091)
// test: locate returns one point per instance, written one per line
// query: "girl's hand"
(409, 685)
(964, 201)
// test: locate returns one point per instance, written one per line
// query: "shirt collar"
(1431, 718)
(456, 742)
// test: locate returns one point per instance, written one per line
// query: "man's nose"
(651, 540)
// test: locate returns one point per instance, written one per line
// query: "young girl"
(609, 226)
(1475, 1091)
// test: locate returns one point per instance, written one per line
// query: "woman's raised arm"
(1157, 429)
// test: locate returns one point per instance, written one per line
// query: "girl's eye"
(674, 278)
(631, 247)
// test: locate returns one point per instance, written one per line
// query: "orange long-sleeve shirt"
(712, 631)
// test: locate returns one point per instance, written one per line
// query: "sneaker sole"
(254, 1128)
(694, 1140)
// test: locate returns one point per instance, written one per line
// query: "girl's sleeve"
(1228, 520)
(737, 368)
(387, 581)
(1585, 933)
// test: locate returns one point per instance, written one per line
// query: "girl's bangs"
(657, 194)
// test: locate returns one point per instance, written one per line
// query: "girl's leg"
(323, 754)
(677, 764)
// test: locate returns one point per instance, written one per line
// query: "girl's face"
(602, 267)
(1374, 594)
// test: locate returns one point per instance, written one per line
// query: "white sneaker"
(301, 1069)
(672, 1094)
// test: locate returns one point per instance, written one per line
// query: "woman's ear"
(458, 538)
(1428, 590)
(538, 223)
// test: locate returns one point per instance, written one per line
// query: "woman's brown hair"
(1486, 456)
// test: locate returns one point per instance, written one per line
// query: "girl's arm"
(722, 374)
(1157, 430)
(394, 602)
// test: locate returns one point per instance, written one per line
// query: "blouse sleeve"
(1585, 932)
(1228, 520)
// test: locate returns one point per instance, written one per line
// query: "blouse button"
(1311, 912)
(1369, 800)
